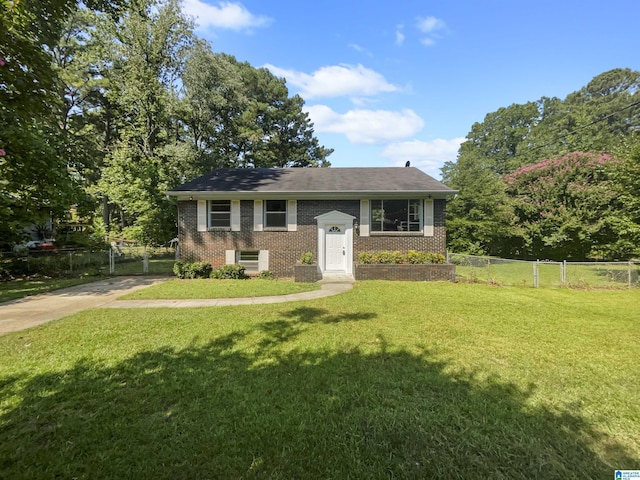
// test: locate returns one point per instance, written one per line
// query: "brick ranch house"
(267, 218)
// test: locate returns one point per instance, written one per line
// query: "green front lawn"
(389, 380)
(210, 288)
(521, 274)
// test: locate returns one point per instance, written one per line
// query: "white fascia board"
(346, 195)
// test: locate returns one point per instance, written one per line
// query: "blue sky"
(389, 82)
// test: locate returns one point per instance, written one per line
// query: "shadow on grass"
(235, 409)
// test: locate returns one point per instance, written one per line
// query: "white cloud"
(427, 42)
(428, 156)
(366, 126)
(227, 15)
(399, 35)
(430, 24)
(430, 27)
(360, 49)
(336, 81)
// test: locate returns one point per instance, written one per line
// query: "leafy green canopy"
(35, 177)
(114, 103)
(569, 208)
(495, 212)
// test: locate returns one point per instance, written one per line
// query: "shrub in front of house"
(231, 272)
(192, 269)
(398, 258)
(306, 258)
(422, 258)
(266, 275)
(410, 266)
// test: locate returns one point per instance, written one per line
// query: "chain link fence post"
(145, 261)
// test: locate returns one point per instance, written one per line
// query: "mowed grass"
(521, 274)
(212, 288)
(389, 380)
(25, 287)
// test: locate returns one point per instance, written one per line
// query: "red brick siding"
(285, 247)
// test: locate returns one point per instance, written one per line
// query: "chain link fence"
(549, 274)
(73, 263)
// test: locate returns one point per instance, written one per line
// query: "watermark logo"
(627, 475)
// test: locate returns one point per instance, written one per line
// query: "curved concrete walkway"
(28, 312)
(326, 290)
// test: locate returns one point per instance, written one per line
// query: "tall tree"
(596, 118)
(274, 131)
(147, 45)
(626, 178)
(480, 220)
(569, 208)
(240, 116)
(38, 173)
(213, 99)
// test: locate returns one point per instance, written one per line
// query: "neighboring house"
(266, 218)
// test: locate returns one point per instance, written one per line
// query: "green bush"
(200, 270)
(306, 258)
(192, 269)
(266, 275)
(416, 257)
(178, 269)
(234, 272)
(366, 258)
(5, 274)
(411, 257)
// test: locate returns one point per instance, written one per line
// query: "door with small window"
(335, 244)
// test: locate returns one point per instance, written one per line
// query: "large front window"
(219, 213)
(395, 215)
(275, 213)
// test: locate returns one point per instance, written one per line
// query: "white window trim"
(202, 215)
(292, 214)
(364, 218)
(235, 215)
(427, 215)
(258, 226)
(263, 260)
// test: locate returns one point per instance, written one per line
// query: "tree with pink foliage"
(569, 208)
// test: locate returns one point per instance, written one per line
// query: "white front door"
(335, 243)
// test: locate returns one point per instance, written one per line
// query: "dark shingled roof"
(315, 180)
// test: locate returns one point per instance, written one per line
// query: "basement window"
(250, 260)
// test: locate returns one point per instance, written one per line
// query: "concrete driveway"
(31, 311)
